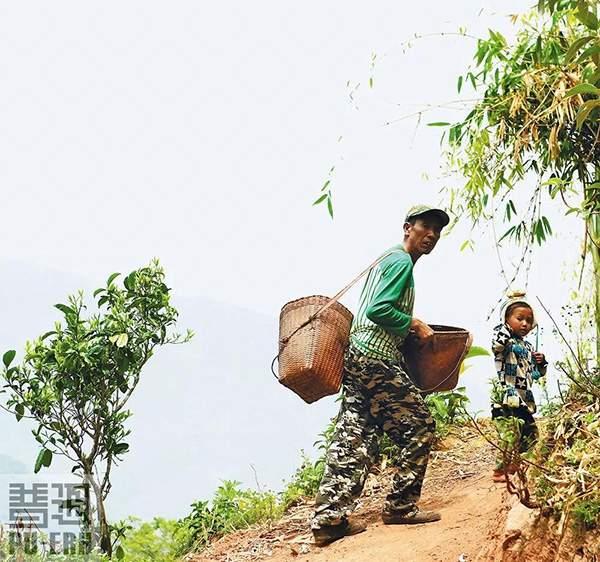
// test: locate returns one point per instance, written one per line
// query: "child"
(517, 366)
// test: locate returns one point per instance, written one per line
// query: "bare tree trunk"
(100, 535)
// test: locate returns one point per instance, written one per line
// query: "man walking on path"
(378, 394)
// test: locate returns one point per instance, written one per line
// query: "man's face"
(420, 238)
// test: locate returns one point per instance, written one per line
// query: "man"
(378, 394)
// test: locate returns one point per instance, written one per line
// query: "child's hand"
(540, 358)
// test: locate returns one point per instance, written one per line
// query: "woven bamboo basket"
(435, 365)
(311, 358)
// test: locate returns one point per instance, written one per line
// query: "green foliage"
(508, 430)
(586, 514)
(75, 381)
(538, 114)
(159, 539)
(567, 476)
(325, 196)
(447, 409)
(537, 117)
(230, 509)
(304, 483)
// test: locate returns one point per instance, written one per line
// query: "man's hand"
(540, 358)
(420, 330)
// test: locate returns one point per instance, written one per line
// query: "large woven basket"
(435, 366)
(311, 358)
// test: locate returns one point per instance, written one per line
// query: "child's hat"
(514, 297)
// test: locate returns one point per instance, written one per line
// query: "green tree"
(534, 127)
(75, 382)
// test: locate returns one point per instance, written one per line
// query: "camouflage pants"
(378, 397)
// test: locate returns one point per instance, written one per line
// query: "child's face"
(520, 320)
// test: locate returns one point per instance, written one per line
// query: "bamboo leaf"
(584, 111)
(466, 244)
(589, 53)
(509, 232)
(576, 46)
(582, 89)
(321, 199)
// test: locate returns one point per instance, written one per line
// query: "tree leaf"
(111, 279)
(66, 310)
(120, 340)
(47, 458)
(121, 448)
(119, 553)
(44, 458)
(8, 357)
(128, 281)
(19, 412)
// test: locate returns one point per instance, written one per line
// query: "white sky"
(200, 133)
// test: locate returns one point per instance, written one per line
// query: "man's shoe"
(329, 533)
(391, 518)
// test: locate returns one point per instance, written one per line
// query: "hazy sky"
(200, 133)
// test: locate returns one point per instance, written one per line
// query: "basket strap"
(283, 342)
(336, 297)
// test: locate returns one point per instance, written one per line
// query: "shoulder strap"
(338, 295)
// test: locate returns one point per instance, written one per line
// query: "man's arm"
(382, 309)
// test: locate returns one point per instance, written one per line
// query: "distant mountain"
(9, 465)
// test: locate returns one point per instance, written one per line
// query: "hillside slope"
(458, 484)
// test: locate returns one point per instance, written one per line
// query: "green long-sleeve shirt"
(385, 308)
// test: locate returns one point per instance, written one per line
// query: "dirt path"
(469, 512)
(458, 484)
